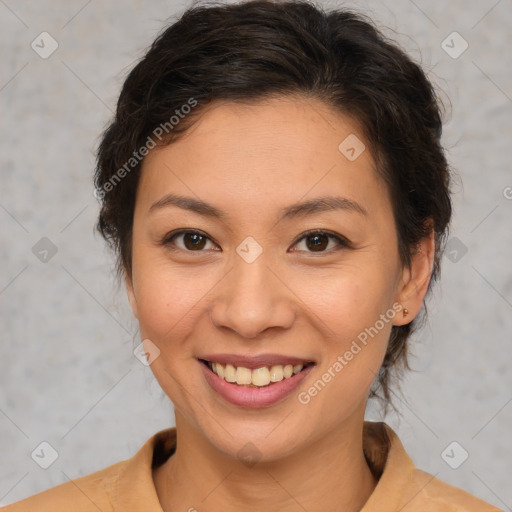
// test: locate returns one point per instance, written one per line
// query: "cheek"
(168, 299)
(348, 300)
(169, 306)
(354, 340)
(352, 308)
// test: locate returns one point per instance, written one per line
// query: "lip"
(255, 361)
(254, 397)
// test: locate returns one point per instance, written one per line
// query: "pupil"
(319, 243)
(315, 242)
(197, 241)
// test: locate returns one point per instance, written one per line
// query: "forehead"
(272, 152)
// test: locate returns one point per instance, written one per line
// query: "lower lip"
(254, 397)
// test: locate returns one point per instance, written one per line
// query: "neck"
(329, 474)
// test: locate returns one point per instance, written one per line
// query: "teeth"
(258, 377)
(229, 373)
(219, 370)
(276, 373)
(297, 368)
(243, 375)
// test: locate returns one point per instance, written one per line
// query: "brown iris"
(320, 242)
(194, 241)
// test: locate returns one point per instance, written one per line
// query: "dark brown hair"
(249, 51)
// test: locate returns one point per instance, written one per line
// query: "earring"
(406, 312)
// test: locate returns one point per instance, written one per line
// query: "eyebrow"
(317, 205)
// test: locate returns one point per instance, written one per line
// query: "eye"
(319, 241)
(190, 240)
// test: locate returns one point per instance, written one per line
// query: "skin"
(250, 162)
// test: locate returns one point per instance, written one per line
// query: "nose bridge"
(252, 299)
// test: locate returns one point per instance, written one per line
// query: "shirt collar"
(383, 450)
(390, 463)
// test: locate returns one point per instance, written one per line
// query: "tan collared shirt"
(128, 485)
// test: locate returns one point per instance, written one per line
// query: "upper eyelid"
(169, 236)
(326, 232)
(340, 238)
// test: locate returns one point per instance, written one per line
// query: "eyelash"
(342, 241)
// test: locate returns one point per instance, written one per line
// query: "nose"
(252, 299)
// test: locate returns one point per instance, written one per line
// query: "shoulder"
(402, 486)
(127, 485)
(85, 494)
(425, 492)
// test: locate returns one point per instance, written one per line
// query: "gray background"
(68, 375)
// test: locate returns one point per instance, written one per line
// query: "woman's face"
(252, 283)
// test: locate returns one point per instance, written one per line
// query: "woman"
(276, 193)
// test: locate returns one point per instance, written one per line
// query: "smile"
(257, 377)
(261, 386)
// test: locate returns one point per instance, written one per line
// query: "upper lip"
(253, 362)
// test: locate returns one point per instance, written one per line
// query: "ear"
(415, 279)
(131, 295)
